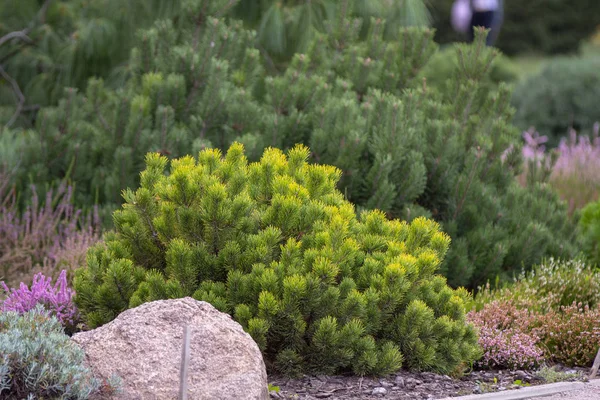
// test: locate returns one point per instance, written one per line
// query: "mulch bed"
(404, 385)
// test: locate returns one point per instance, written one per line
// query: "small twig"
(44, 11)
(18, 94)
(41, 16)
(595, 366)
(16, 34)
(185, 360)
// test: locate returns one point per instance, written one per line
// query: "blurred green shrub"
(444, 65)
(589, 227)
(68, 42)
(285, 28)
(537, 26)
(563, 95)
(275, 245)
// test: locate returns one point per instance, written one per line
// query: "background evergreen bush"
(285, 28)
(64, 43)
(405, 148)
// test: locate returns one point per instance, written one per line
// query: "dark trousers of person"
(486, 20)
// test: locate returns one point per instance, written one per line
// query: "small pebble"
(379, 391)
(400, 381)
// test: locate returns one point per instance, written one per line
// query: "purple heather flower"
(57, 299)
(574, 175)
(534, 145)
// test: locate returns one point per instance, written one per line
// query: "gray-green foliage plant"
(276, 245)
(447, 151)
(39, 361)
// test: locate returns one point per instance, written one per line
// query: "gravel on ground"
(405, 385)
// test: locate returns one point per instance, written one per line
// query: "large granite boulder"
(143, 346)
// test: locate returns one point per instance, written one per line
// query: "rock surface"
(143, 346)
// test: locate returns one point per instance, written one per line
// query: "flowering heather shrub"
(57, 300)
(44, 237)
(38, 361)
(538, 164)
(571, 335)
(548, 286)
(506, 337)
(576, 174)
(572, 169)
(554, 308)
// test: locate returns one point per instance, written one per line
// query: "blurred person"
(467, 14)
(488, 14)
(461, 16)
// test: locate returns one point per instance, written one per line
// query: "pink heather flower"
(574, 174)
(57, 299)
(48, 235)
(534, 145)
(580, 155)
(505, 336)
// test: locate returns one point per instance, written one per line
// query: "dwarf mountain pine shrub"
(39, 361)
(275, 244)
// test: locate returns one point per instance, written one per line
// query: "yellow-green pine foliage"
(276, 245)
